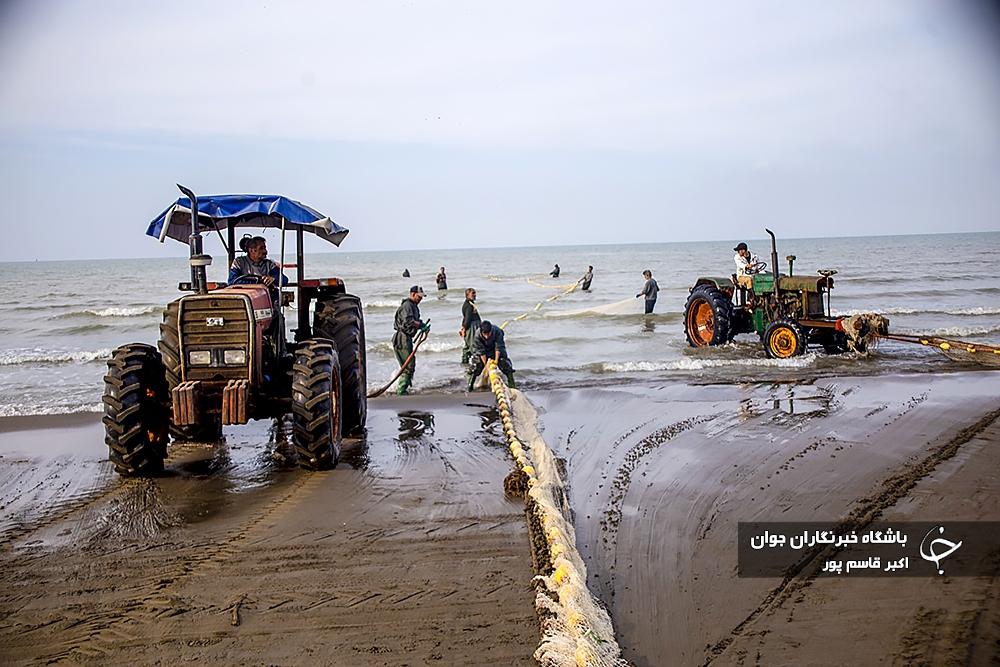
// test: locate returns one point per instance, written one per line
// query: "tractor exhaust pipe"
(774, 260)
(198, 260)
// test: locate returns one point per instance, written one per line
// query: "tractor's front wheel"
(708, 316)
(784, 339)
(316, 404)
(136, 410)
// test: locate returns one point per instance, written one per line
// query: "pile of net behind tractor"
(223, 356)
(788, 312)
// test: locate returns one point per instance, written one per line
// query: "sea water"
(63, 319)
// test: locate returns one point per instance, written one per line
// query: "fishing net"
(630, 306)
(576, 630)
(864, 330)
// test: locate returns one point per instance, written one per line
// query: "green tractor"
(788, 312)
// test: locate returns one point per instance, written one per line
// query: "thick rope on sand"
(575, 628)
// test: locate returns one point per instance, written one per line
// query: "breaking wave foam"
(429, 346)
(21, 410)
(700, 364)
(38, 356)
(380, 303)
(123, 312)
(953, 331)
(978, 310)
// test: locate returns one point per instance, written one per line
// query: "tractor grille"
(200, 329)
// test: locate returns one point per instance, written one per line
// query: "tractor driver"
(256, 263)
(745, 265)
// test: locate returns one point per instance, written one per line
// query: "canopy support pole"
(303, 328)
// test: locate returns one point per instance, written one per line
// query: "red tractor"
(223, 356)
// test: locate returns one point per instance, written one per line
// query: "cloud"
(749, 79)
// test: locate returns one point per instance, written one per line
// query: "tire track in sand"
(28, 522)
(623, 479)
(96, 637)
(868, 509)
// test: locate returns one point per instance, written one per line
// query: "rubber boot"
(472, 383)
(510, 380)
(403, 388)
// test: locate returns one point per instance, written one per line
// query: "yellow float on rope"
(945, 346)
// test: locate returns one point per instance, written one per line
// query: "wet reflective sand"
(406, 552)
(660, 476)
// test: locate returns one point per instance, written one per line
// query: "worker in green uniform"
(407, 323)
(470, 324)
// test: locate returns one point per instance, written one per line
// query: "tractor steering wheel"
(247, 279)
(757, 267)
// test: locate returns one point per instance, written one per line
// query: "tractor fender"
(725, 284)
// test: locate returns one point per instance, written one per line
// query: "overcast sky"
(428, 124)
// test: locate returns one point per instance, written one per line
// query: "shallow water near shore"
(70, 315)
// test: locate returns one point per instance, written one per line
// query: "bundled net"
(575, 628)
(864, 330)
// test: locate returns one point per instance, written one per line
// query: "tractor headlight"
(200, 357)
(235, 357)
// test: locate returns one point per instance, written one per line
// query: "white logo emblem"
(933, 556)
(214, 321)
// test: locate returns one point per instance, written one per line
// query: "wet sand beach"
(660, 476)
(406, 553)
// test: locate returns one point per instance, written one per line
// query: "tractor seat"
(826, 273)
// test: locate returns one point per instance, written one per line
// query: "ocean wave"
(81, 329)
(429, 346)
(950, 331)
(689, 364)
(133, 311)
(978, 310)
(380, 303)
(881, 311)
(21, 410)
(39, 356)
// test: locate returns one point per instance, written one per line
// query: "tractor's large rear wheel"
(210, 428)
(784, 339)
(136, 410)
(340, 319)
(316, 404)
(708, 317)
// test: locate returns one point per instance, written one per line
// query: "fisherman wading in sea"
(407, 323)
(470, 324)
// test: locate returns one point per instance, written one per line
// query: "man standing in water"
(442, 279)
(649, 290)
(407, 323)
(470, 324)
(586, 279)
(490, 345)
(555, 271)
